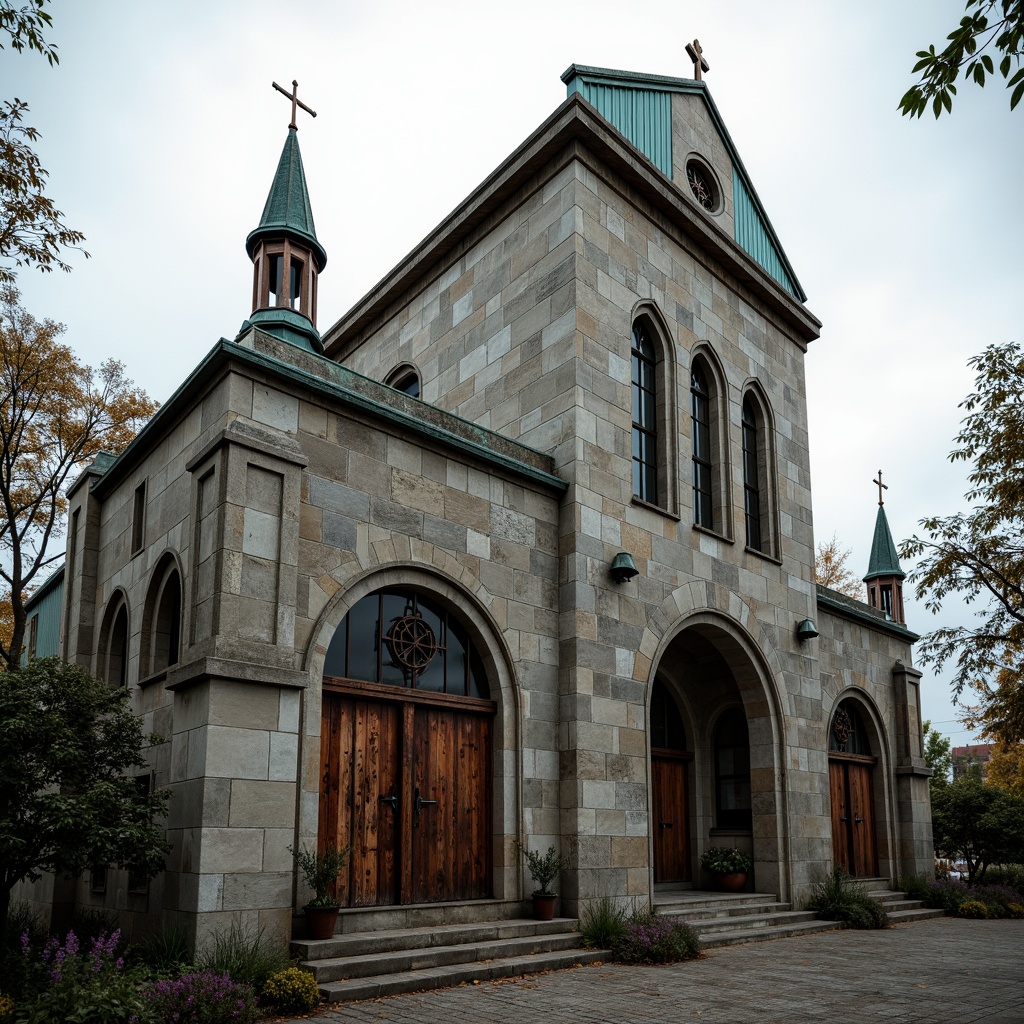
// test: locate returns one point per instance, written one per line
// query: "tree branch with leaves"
(989, 25)
(830, 569)
(980, 554)
(56, 415)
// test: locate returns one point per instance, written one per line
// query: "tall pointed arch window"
(700, 426)
(645, 429)
(751, 476)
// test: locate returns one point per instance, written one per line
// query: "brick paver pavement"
(942, 971)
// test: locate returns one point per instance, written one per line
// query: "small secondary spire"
(296, 102)
(696, 55)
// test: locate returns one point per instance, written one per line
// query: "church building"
(518, 551)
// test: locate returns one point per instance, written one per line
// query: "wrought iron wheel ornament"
(841, 726)
(412, 642)
(700, 186)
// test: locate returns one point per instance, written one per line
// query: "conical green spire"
(884, 560)
(288, 211)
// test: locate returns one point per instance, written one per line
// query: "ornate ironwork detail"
(841, 727)
(702, 189)
(412, 642)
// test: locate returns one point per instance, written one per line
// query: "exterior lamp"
(623, 568)
(806, 630)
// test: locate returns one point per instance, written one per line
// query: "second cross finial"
(296, 102)
(696, 55)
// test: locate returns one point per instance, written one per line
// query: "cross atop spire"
(296, 102)
(881, 487)
(696, 55)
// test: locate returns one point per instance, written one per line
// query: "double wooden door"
(853, 815)
(671, 817)
(406, 784)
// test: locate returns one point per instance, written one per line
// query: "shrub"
(204, 997)
(15, 967)
(996, 898)
(6, 1009)
(166, 953)
(972, 908)
(544, 868)
(602, 924)
(725, 860)
(947, 894)
(656, 940)
(292, 991)
(839, 898)
(915, 886)
(244, 957)
(1006, 874)
(1014, 910)
(69, 983)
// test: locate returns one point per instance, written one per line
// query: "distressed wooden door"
(854, 844)
(407, 786)
(671, 838)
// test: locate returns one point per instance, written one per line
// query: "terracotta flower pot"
(321, 921)
(732, 882)
(544, 905)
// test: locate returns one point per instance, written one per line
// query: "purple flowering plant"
(656, 940)
(202, 997)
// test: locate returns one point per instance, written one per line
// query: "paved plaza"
(942, 971)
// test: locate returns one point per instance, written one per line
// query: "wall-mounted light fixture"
(623, 567)
(806, 630)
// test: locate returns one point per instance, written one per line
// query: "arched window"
(161, 625)
(112, 662)
(732, 771)
(848, 734)
(700, 427)
(645, 429)
(403, 638)
(406, 380)
(667, 731)
(751, 476)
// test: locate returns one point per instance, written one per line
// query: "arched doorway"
(405, 754)
(670, 789)
(851, 768)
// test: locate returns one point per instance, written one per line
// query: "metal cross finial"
(696, 55)
(881, 487)
(296, 102)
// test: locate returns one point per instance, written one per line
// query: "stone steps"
(366, 965)
(900, 908)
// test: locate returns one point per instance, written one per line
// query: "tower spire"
(285, 252)
(885, 576)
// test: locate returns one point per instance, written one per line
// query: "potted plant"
(728, 865)
(543, 868)
(320, 870)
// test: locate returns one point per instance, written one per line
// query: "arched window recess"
(760, 499)
(708, 449)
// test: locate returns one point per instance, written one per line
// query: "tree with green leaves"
(938, 755)
(70, 751)
(980, 554)
(990, 31)
(978, 824)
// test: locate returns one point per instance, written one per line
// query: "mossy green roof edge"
(226, 351)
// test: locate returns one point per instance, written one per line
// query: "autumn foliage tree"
(980, 554)
(830, 570)
(56, 415)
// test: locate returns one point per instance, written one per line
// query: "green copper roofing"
(288, 325)
(640, 107)
(884, 561)
(288, 210)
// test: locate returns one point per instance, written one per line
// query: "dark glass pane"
(364, 632)
(666, 723)
(637, 473)
(647, 410)
(458, 660)
(478, 686)
(395, 607)
(432, 676)
(649, 484)
(337, 653)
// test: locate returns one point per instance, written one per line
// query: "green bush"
(6, 1009)
(1015, 910)
(292, 990)
(602, 924)
(725, 860)
(1006, 874)
(16, 968)
(839, 898)
(166, 953)
(244, 957)
(972, 908)
(656, 940)
(915, 886)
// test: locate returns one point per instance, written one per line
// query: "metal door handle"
(664, 824)
(858, 821)
(844, 818)
(417, 803)
(392, 799)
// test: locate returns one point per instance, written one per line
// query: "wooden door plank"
(865, 850)
(840, 815)
(406, 784)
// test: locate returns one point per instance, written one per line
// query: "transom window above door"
(404, 638)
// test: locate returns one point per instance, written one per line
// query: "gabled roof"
(639, 106)
(288, 210)
(884, 561)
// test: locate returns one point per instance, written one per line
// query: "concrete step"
(684, 904)
(457, 974)
(390, 940)
(919, 913)
(692, 913)
(747, 922)
(732, 937)
(407, 961)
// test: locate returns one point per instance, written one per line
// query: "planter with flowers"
(320, 870)
(729, 867)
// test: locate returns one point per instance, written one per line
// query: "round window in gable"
(703, 185)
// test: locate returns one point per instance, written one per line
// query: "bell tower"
(286, 256)
(885, 576)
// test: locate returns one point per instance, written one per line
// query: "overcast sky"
(161, 133)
